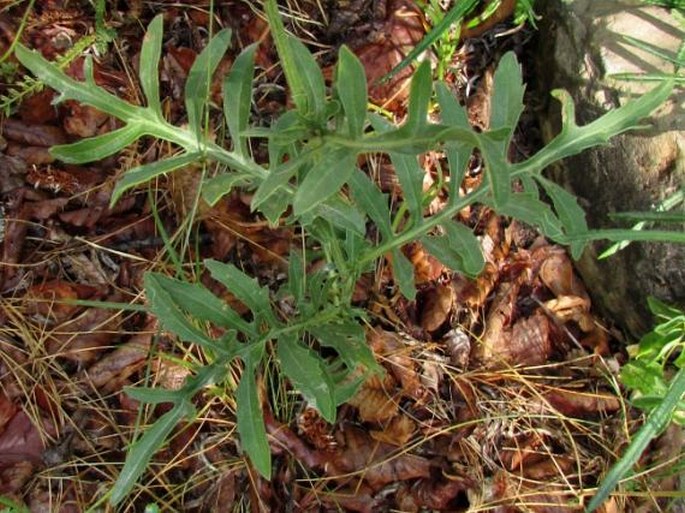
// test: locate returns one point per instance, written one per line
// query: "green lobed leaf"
(341, 213)
(325, 178)
(458, 151)
(498, 169)
(403, 272)
(154, 395)
(349, 341)
(420, 92)
(237, 90)
(150, 54)
(172, 317)
(308, 374)
(219, 186)
(279, 177)
(570, 214)
(71, 89)
(350, 85)
(250, 418)
(98, 147)
(573, 139)
(458, 249)
(199, 79)
(301, 70)
(372, 201)
(200, 303)
(139, 453)
(274, 209)
(410, 176)
(297, 276)
(147, 172)
(244, 288)
(535, 212)
(506, 104)
(644, 376)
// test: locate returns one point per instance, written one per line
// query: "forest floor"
(500, 393)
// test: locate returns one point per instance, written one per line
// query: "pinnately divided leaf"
(403, 272)
(458, 249)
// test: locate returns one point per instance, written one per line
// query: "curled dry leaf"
(427, 268)
(49, 300)
(431, 494)
(44, 136)
(458, 346)
(316, 430)
(403, 367)
(437, 306)
(83, 120)
(111, 371)
(380, 462)
(373, 400)
(398, 432)
(21, 440)
(82, 338)
(556, 272)
(581, 404)
(7, 410)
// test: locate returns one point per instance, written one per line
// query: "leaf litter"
(500, 392)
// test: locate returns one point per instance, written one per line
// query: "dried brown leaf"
(437, 306)
(398, 432)
(581, 404)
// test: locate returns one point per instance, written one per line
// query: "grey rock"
(581, 45)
